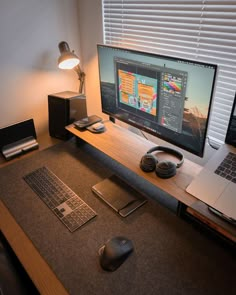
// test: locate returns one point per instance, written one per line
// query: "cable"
(211, 145)
(143, 134)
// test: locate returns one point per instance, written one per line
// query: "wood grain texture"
(201, 212)
(127, 148)
(39, 271)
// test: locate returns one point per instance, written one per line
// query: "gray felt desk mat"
(170, 256)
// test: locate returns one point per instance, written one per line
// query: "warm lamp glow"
(68, 64)
(69, 60)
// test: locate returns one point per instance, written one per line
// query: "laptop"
(215, 185)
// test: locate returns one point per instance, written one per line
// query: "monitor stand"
(119, 195)
(112, 119)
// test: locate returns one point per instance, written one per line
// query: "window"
(203, 30)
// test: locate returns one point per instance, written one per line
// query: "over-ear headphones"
(163, 169)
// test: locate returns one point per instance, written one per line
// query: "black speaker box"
(63, 109)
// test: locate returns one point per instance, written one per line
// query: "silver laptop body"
(213, 185)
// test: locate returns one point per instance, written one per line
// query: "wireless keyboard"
(65, 203)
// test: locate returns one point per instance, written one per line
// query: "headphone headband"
(171, 151)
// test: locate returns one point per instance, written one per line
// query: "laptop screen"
(231, 132)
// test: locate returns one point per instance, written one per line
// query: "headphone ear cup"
(148, 163)
(165, 169)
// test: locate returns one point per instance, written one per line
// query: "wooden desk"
(57, 261)
(36, 267)
(127, 148)
(200, 211)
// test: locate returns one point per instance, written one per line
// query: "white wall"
(30, 31)
(90, 23)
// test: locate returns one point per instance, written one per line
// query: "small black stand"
(113, 120)
(18, 147)
(18, 138)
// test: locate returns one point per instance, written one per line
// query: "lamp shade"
(68, 59)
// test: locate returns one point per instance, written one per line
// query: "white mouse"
(98, 126)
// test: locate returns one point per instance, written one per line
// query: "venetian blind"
(203, 30)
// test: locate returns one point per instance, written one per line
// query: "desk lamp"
(69, 60)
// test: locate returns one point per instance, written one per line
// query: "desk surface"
(127, 148)
(170, 257)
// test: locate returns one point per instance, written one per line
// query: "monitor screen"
(165, 96)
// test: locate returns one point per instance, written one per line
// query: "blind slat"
(200, 30)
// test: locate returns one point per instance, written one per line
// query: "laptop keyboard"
(67, 205)
(227, 168)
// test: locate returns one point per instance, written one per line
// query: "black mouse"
(115, 252)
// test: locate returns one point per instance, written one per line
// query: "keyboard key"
(227, 168)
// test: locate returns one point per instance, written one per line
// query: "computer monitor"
(166, 96)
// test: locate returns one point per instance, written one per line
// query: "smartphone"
(87, 121)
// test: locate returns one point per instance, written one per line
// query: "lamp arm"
(82, 80)
(81, 77)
